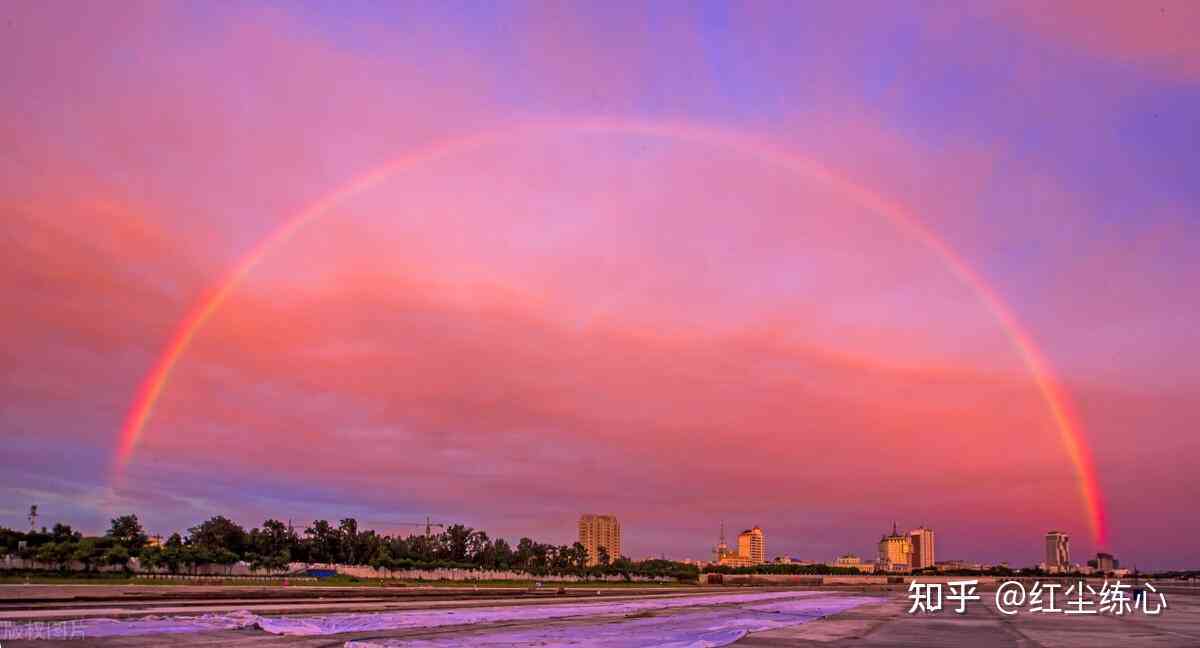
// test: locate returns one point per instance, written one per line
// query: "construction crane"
(428, 524)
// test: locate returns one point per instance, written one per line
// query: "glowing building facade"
(752, 546)
(597, 531)
(895, 551)
(922, 548)
(1058, 551)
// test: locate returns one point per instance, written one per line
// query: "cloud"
(580, 321)
(1158, 36)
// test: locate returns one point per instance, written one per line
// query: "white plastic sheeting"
(164, 624)
(800, 604)
(693, 628)
(339, 623)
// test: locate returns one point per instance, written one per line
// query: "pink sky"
(564, 322)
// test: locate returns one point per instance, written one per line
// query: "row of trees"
(63, 545)
(272, 546)
(790, 569)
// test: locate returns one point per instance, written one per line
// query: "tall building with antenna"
(722, 549)
(751, 549)
(895, 551)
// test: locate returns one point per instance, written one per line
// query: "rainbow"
(1057, 401)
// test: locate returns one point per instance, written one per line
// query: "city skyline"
(595, 530)
(601, 535)
(682, 263)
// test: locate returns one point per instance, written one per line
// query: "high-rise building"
(597, 531)
(895, 551)
(722, 550)
(1104, 563)
(922, 547)
(752, 546)
(1058, 551)
(729, 556)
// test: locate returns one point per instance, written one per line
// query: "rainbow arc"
(1057, 400)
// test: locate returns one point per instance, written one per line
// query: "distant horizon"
(410, 529)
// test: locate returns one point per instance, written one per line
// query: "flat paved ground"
(889, 624)
(49, 593)
(717, 616)
(881, 621)
(20, 603)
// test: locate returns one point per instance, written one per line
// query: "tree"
(225, 558)
(504, 553)
(579, 556)
(422, 547)
(625, 567)
(271, 548)
(220, 541)
(323, 541)
(195, 555)
(381, 558)
(64, 533)
(219, 533)
(280, 561)
(541, 558)
(127, 532)
(478, 547)
(117, 555)
(454, 540)
(561, 558)
(276, 562)
(151, 558)
(56, 553)
(348, 541)
(523, 558)
(481, 550)
(368, 545)
(87, 552)
(275, 538)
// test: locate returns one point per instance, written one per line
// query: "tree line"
(790, 569)
(274, 545)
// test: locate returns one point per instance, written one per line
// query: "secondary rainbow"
(1058, 402)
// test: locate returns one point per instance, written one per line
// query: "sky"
(686, 263)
